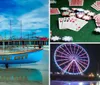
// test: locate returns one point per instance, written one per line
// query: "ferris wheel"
(71, 58)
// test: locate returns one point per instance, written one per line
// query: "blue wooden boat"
(30, 56)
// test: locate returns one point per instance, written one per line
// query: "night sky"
(93, 51)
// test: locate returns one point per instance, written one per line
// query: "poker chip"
(64, 8)
(97, 18)
(65, 14)
(80, 14)
(98, 24)
(55, 38)
(67, 38)
(90, 13)
(74, 9)
(86, 17)
(97, 29)
(69, 10)
(80, 10)
(86, 11)
(72, 14)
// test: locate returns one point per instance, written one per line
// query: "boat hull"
(21, 58)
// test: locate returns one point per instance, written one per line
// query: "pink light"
(61, 56)
(62, 59)
(68, 49)
(79, 52)
(64, 50)
(82, 54)
(71, 49)
(63, 63)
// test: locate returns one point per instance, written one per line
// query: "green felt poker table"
(86, 34)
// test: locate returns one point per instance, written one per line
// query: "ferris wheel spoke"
(79, 68)
(81, 64)
(70, 67)
(63, 63)
(67, 49)
(83, 57)
(73, 68)
(64, 50)
(62, 59)
(61, 52)
(66, 67)
(82, 54)
(77, 50)
(71, 49)
(74, 49)
(66, 57)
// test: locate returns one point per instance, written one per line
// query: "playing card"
(97, 3)
(95, 7)
(54, 11)
(80, 24)
(71, 23)
(60, 22)
(76, 2)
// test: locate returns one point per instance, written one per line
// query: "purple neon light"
(71, 58)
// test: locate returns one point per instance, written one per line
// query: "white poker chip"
(55, 38)
(74, 9)
(86, 17)
(80, 10)
(65, 14)
(67, 38)
(91, 13)
(80, 14)
(97, 29)
(86, 11)
(72, 14)
(64, 8)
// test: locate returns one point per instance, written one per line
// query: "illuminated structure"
(71, 59)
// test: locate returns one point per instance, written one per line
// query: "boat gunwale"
(13, 53)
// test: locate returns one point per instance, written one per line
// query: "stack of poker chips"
(65, 38)
(97, 20)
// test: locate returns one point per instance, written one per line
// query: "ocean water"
(26, 74)
(75, 82)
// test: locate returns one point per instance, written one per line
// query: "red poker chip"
(97, 18)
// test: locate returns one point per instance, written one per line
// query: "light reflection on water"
(75, 82)
(21, 75)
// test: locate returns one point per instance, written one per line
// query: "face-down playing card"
(54, 11)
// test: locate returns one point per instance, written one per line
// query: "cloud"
(35, 19)
(32, 20)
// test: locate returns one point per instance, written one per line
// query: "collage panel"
(74, 64)
(24, 42)
(75, 20)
